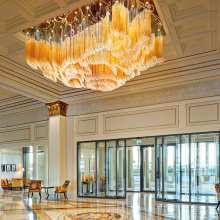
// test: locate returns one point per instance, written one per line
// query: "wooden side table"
(47, 190)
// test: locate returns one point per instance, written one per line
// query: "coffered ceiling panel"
(192, 29)
(7, 13)
(37, 4)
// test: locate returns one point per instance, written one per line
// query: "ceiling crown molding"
(23, 80)
(174, 94)
(38, 115)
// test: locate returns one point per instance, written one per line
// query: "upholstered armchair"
(35, 186)
(62, 189)
(4, 183)
(217, 188)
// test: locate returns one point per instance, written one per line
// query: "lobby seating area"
(13, 183)
(34, 186)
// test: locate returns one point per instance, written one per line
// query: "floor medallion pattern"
(97, 214)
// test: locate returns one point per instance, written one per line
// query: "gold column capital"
(57, 108)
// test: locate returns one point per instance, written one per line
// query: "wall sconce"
(21, 169)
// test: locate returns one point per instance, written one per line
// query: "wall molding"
(167, 117)
(203, 113)
(173, 94)
(38, 137)
(89, 123)
(15, 135)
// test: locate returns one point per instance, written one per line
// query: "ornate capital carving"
(57, 108)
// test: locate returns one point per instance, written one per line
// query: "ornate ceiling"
(191, 49)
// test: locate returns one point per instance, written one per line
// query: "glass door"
(204, 167)
(121, 170)
(101, 178)
(111, 169)
(171, 168)
(148, 168)
(158, 168)
(184, 171)
(133, 166)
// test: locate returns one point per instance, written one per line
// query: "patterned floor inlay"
(97, 214)
(107, 213)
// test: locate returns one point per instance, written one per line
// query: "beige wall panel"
(40, 132)
(15, 135)
(141, 120)
(203, 113)
(87, 126)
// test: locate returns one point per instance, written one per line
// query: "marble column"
(57, 143)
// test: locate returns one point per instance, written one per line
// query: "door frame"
(141, 168)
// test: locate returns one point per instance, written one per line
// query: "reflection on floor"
(16, 205)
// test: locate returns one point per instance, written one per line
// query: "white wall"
(24, 130)
(12, 157)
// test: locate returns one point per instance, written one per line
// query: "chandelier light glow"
(99, 46)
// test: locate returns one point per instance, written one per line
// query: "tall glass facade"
(181, 168)
(101, 169)
(190, 167)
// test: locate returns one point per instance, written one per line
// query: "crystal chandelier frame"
(99, 46)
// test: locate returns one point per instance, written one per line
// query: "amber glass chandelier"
(98, 46)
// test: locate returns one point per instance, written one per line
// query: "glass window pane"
(28, 154)
(121, 168)
(101, 188)
(171, 167)
(159, 168)
(40, 163)
(204, 167)
(111, 169)
(133, 164)
(87, 169)
(149, 165)
(185, 168)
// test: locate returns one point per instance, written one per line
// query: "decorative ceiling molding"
(19, 104)
(179, 93)
(23, 80)
(38, 115)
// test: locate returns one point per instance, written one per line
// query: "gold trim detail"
(57, 108)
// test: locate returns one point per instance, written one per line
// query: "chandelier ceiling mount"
(99, 46)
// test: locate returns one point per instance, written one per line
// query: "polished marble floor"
(137, 206)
